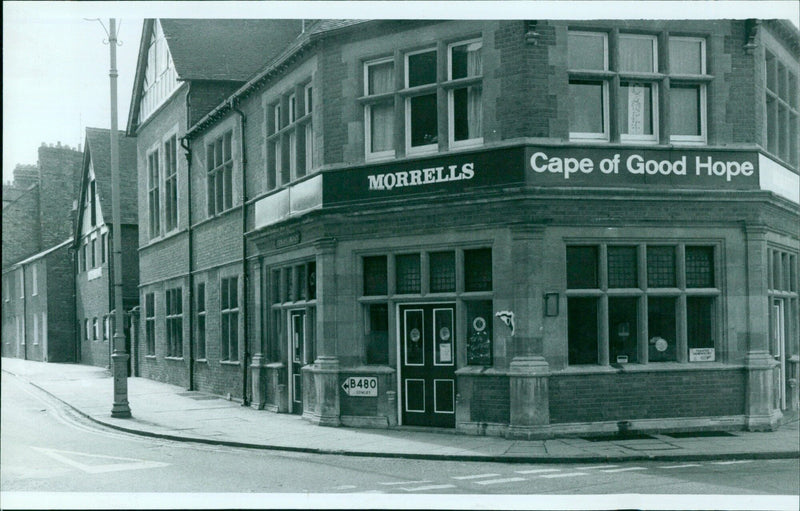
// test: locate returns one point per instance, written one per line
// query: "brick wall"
(93, 299)
(61, 319)
(21, 228)
(490, 400)
(59, 169)
(650, 395)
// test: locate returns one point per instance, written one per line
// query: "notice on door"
(361, 386)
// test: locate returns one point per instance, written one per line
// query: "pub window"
(174, 324)
(622, 267)
(229, 319)
(464, 101)
(699, 266)
(311, 280)
(640, 319)
(94, 252)
(150, 324)
(638, 89)
(587, 59)
(661, 267)
(687, 89)
(479, 332)
(379, 85)
(219, 180)
(478, 269)
(153, 194)
(442, 272)
(782, 110)
(377, 333)
(408, 274)
(276, 286)
(421, 112)
(200, 306)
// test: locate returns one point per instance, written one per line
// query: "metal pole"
(119, 357)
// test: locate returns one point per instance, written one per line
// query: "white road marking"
(345, 487)
(623, 469)
(597, 467)
(434, 487)
(568, 474)
(501, 481)
(405, 482)
(730, 462)
(121, 464)
(479, 476)
(687, 465)
(538, 471)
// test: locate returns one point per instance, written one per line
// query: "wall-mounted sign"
(361, 386)
(453, 173)
(701, 355)
(568, 166)
(288, 240)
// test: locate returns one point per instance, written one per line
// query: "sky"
(56, 65)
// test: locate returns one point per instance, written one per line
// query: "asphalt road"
(46, 447)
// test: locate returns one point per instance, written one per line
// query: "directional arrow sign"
(361, 386)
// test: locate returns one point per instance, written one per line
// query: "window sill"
(645, 368)
(202, 361)
(229, 362)
(177, 359)
(150, 357)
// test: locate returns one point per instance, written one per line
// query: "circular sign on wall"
(444, 333)
(479, 324)
(414, 334)
(661, 344)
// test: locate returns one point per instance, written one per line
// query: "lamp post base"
(120, 409)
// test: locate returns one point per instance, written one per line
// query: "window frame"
(418, 91)
(643, 292)
(171, 189)
(642, 77)
(226, 310)
(779, 100)
(461, 83)
(150, 324)
(201, 313)
(602, 77)
(174, 318)
(370, 101)
(213, 172)
(154, 192)
(694, 80)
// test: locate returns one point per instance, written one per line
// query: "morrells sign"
(546, 166)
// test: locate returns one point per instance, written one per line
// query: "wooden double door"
(427, 364)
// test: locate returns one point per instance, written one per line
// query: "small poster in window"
(445, 352)
(701, 355)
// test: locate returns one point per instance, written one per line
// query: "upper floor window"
(421, 112)
(219, 165)
(687, 89)
(632, 76)
(34, 280)
(379, 86)
(91, 202)
(465, 121)
(153, 194)
(171, 184)
(290, 140)
(782, 110)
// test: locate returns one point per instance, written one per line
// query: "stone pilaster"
(325, 371)
(760, 412)
(529, 372)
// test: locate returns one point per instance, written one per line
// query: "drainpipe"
(188, 154)
(24, 317)
(245, 275)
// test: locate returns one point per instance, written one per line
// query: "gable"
(160, 79)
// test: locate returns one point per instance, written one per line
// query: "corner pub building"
(519, 228)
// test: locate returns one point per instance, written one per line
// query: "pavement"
(167, 411)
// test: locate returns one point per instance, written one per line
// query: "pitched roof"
(225, 49)
(214, 49)
(98, 151)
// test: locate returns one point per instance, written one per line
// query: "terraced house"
(519, 228)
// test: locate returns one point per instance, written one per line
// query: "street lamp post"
(119, 357)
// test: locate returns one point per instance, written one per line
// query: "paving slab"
(171, 411)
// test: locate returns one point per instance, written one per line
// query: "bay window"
(290, 136)
(782, 110)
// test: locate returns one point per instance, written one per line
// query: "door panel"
(427, 368)
(297, 341)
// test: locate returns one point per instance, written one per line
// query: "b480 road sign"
(361, 386)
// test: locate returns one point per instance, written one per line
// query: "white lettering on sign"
(636, 164)
(404, 178)
(361, 386)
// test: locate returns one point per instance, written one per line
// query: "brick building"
(505, 227)
(38, 215)
(93, 247)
